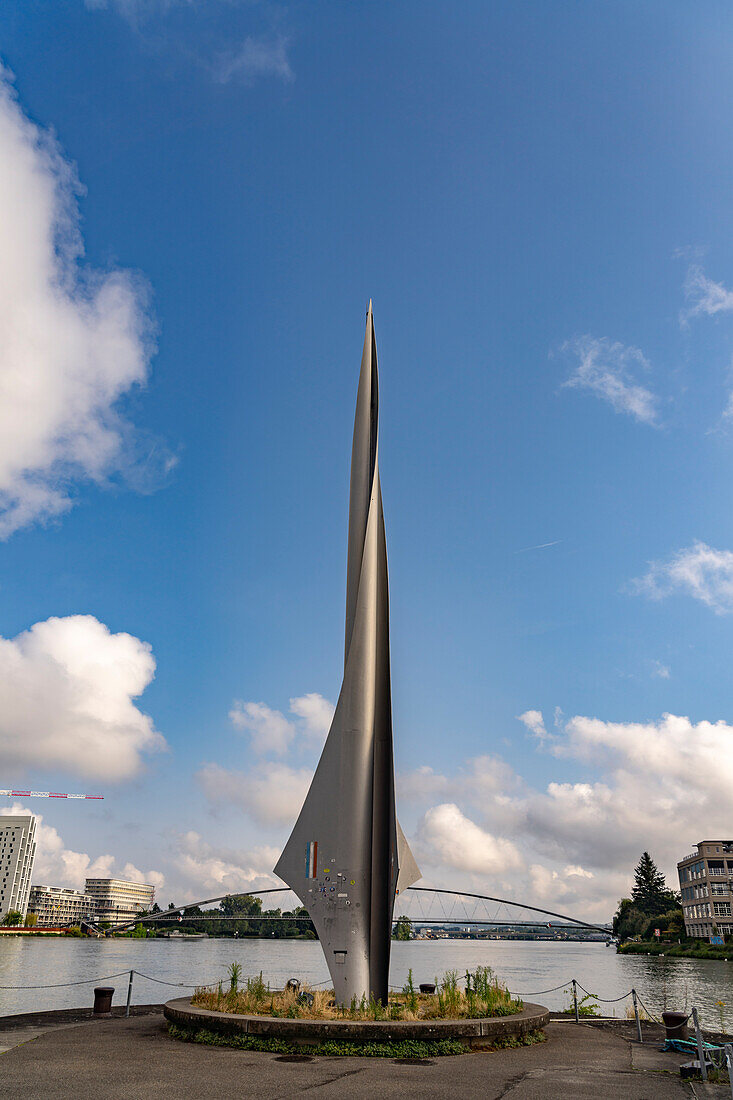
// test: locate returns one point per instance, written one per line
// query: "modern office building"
(17, 853)
(706, 886)
(55, 905)
(116, 900)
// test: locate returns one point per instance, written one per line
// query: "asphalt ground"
(134, 1059)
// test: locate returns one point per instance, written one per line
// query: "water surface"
(526, 967)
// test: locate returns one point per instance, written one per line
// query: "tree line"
(246, 918)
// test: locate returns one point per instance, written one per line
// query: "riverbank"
(679, 950)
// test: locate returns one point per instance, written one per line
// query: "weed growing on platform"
(407, 1048)
(512, 1041)
(477, 995)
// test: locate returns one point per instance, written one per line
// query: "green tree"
(12, 918)
(402, 929)
(650, 894)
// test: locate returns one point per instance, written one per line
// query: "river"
(526, 967)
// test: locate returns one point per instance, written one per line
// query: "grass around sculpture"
(479, 994)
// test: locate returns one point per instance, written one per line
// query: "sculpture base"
(474, 1034)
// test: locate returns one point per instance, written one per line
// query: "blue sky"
(537, 198)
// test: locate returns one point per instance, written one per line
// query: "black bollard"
(103, 1000)
(676, 1025)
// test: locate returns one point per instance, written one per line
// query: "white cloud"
(534, 722)
(699, 571)
(215, 870)
(255, 58)
(57, 865)
(66, 699)
(271, 793)
(269, 730)
(73, 341)
(705, 296)
(660, 670)
(317, 714)
(652, 773)
(607, 369)
(480, 780)
(580, 838)
(153, 878)
(446, 836)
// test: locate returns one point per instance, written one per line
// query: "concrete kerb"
(475, 1033)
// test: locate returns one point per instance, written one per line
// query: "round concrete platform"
(474, 1033)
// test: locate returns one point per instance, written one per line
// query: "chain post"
(636, 1016)
(129, 994)
(700, 1046)
(729, 1059)
(575, 1001)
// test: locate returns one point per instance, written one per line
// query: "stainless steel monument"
(347, 857)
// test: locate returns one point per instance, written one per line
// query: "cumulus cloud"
(608, 369)
(271, 793)
(580, 839)
(132, 874)
(57, 865)
(255, 58)
(66, 699)
(317, 714)
(446, 836)
(651, 773)
(535, 723)
(480, 779)
(217, 870)
(704, 296)
(271, 732)
(73, 341)
(699, 571)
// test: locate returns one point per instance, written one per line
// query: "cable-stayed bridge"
(422, 905)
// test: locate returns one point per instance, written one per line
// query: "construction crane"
(48, 794)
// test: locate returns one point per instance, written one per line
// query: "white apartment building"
(55, 905)
(116, 900)
(17, 853)
(706, 886)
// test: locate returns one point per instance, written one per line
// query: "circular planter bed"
(471, 1033)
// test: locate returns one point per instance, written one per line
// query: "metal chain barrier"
(604, 1000)
(179, 985)
(62, 985)
(539, 992)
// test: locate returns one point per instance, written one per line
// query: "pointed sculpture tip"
(369, 307)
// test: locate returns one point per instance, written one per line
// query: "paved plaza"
(65, 1054)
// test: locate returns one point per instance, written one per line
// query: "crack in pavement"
(321, 1084)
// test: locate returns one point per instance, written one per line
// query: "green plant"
(407, 1048)
(410, 993)
(587, 1005)
(513, 1041)
(450, 991)
(235, 974)
(257, 989)
(482, 996)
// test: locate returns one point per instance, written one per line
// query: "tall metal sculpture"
(347, 857)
